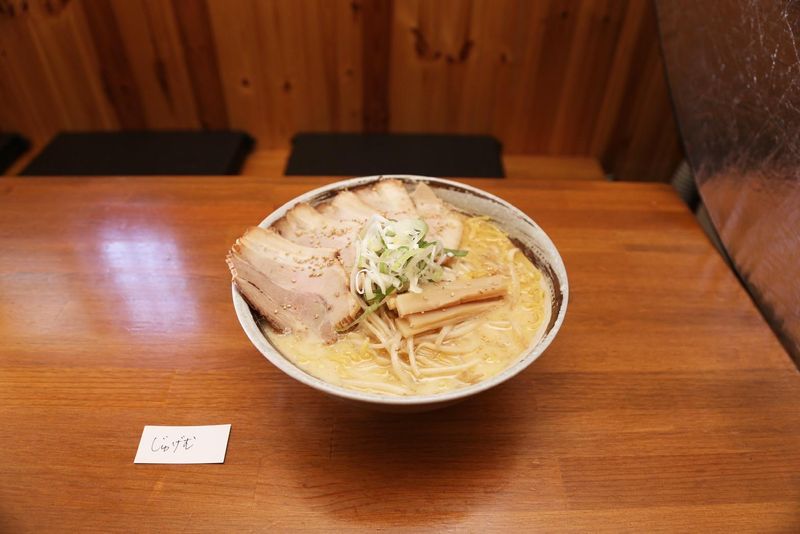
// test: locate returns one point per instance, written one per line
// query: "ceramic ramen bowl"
(523, 231)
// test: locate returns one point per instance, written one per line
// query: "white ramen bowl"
(525, 233)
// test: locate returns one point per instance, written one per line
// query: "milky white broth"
(467, 353)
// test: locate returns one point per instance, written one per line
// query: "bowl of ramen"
(399, 292)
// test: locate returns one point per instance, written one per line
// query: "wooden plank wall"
(557, 77)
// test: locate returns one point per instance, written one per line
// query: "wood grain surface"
(664, 404)
(547, 77)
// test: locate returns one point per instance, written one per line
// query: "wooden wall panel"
(114, 69)
(644, 139)
(548, 77)
(151, 41)
(289, 66)
(559, 77)
(49, 71)
(376, 35)
(199, 49)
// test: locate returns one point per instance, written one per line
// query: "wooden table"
(665, 403)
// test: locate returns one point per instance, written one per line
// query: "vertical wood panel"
(554, 77)
(64, 51)
(644, 143)
(32, 100)
(523, 32)
(349, 66)
(376, 24)
(119, 81)
(233, 29)
(287, 66)
(49, 72)
(152, 44)
(618, 77)
(200, 53)
(559, 36)
(596, 38)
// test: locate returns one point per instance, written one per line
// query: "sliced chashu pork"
(296, 288)
(306, 226)
(444, 223)
(347, 206)
(389, 198)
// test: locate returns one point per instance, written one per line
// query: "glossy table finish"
(664, 403)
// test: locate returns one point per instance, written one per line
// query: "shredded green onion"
(455, 252)
(372, 308)
(393, 257)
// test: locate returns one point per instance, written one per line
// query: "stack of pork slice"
(296, 273)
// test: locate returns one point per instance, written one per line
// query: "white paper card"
(183, 444)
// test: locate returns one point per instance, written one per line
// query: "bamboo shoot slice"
(423, 322)
(434, 297)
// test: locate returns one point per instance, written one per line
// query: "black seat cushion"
(12, 146)
(143, 152)
(366, 154)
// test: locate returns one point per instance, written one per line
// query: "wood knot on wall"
(12, 8)
(425, 52)
(54, 7)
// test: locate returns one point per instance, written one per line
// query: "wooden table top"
(664, 403)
